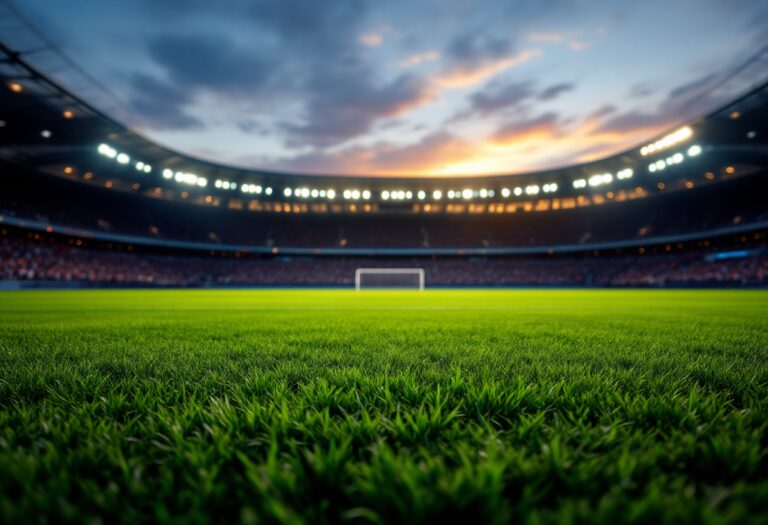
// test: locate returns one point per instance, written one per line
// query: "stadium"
(187, 340)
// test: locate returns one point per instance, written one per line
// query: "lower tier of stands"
(28, 260)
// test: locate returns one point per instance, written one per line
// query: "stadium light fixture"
(437, 195)
(385, 195)
(532, 189)
(505, 192)
(189, 178)
(331, 194)
(167, 174)
(467, 194)
(580, 183)
(107, 151)
(228, 185)
(625, 174)
(694, 150)
(123, 158)
(46, 133)
(600, 180)
(287, 192)
(518, 191)
(366, 194)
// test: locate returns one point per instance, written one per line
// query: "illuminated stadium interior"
(346, 261)
(691, 188)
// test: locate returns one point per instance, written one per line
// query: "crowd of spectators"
(29, 260)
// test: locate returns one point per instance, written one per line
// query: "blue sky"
(427, 87)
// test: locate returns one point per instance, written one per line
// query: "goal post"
(382, 278)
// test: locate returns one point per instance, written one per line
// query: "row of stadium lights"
(604, 178)
(677, 158)
(123, 158)
(305, 193)
(403, 195)
(667, 141)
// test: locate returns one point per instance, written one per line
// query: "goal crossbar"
(361, 272)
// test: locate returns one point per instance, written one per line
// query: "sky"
(413, 87)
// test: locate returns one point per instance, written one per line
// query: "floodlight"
(694, 150)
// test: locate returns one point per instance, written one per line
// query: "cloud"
(344, 104)
(684, 101)
(471, 75)
(162, 105)
(578, 46)
(695, 86)
(429, 154)
(640, 90)
(414, 60)
(545, 124)
(211, 62)
(512, 95)
(371, 39)
(603, 111)
(253, 127)
(476, 58)
(341, 93)
(432, 154)
(546, 37)
(552, 92)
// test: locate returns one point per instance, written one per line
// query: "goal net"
(403, 278)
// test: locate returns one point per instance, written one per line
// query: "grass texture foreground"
(374, 407)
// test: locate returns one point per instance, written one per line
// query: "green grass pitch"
(372, 407)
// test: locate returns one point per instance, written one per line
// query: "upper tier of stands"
(56, 201)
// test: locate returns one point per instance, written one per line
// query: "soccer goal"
(380, 278)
